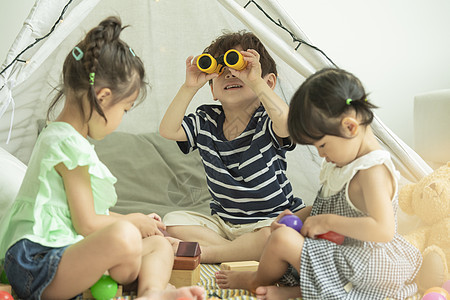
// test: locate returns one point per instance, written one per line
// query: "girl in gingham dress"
(358, 199)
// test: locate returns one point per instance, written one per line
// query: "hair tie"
(78, 55)
(91, 78)
(132, 52)
(348, 101)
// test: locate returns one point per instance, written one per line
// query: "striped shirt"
(247, 175)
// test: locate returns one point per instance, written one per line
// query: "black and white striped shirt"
(247, 175)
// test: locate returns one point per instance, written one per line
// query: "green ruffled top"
(40, 212)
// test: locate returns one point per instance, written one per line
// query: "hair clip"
(79, 55)
(91, 78)
(132, 52)
(348, 101)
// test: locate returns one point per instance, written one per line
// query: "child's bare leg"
(273, 292)
(283, 248)
(116, 248)
(192, 292)
(203, 235)
(216, 249)
(157, 263)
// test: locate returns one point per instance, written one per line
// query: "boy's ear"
(104, 96)
(212, 91)
(271, 80)
(350, 126)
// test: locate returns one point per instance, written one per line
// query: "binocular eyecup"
(232, 59)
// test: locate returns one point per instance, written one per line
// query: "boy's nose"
(227, 73)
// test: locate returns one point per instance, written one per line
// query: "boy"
(242, 143)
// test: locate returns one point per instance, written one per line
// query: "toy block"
(87, 295)
(186, 263)
(5, 288)
(249, 265)
(189, 249)
(181, 278)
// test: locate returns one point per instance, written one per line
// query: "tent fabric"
(163, 33)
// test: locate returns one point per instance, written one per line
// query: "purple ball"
(292, 221)
(446, 286)
(433, 296)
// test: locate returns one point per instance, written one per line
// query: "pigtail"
(105, 33)
(101, 60)
(317, 105)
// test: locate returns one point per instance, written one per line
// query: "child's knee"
(285, 236)
(126, 237)
(161, 244)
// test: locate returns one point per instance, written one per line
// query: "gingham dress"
(357, 269)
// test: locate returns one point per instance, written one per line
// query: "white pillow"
(12, 172)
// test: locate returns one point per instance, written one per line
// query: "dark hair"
(113, 62)
(246, 40)
(320, 101)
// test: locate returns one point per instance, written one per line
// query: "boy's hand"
(194, 77)
(253, 71)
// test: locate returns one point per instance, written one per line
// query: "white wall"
(398, 48)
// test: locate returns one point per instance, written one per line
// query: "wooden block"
(88, 296)
(189, 249)
(186, 263)
(249, 265)
(181, 278)
(5, 288)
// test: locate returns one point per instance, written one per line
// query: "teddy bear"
(429, 200)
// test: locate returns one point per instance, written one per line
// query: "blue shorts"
(31, 267)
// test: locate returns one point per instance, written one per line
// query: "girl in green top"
(59, 237)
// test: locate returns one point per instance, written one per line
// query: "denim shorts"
(31, 267)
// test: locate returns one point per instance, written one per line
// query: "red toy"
(5, 296)
(332, 237)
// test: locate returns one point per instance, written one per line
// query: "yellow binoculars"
(232, 59)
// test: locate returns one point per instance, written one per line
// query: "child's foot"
(277, 293)
(227, 279)
(185, 293)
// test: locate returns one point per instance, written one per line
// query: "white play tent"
(163, 33)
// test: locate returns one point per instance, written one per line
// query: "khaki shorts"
(223, 228)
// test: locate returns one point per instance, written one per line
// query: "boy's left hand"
(253, 70)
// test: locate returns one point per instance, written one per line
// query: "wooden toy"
(189, 249)
(181, 278)
(249, 265)
(186, 267)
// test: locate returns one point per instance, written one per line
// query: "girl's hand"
(315, 225)
(275, 225)
(155, 216)
(194, 77)
(253, 70)
(148, 225)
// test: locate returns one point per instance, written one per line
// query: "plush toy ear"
(405, 198)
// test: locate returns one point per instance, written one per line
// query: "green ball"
(3, 278)
(104, 288)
